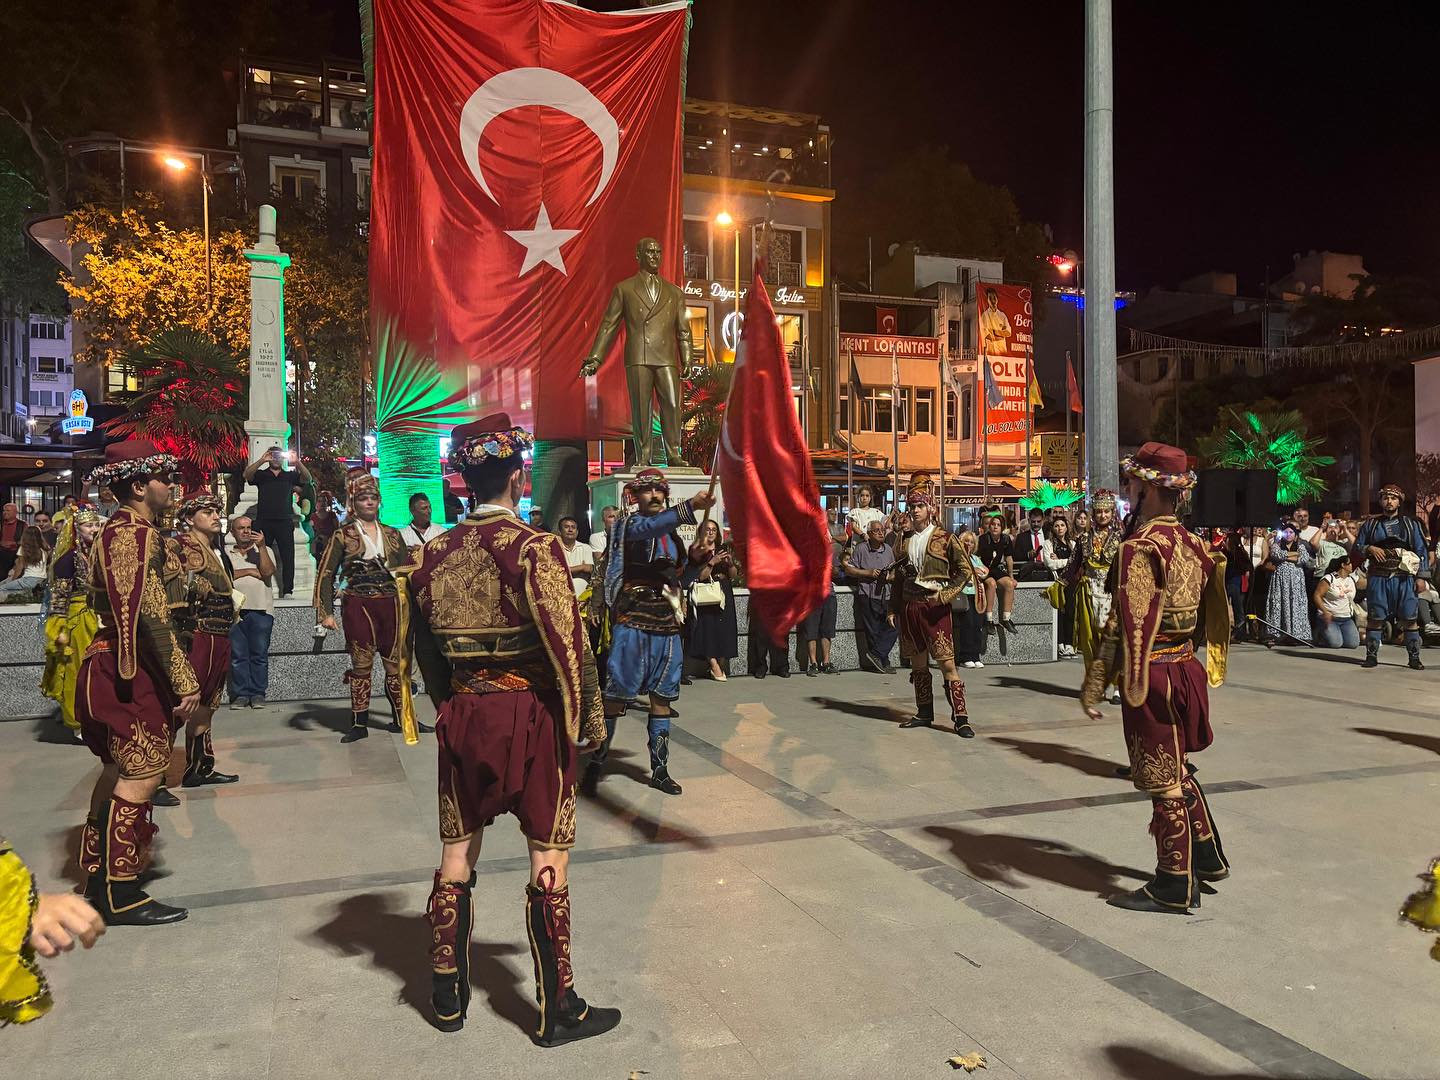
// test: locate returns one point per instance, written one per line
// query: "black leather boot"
(200, 763)
(565, 1016)
(359, 728)
(924, 700)
(451, 912)
(123, 841)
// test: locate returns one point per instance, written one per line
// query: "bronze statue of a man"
(657, 341)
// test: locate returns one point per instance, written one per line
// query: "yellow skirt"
(62, 662)
(24, 996)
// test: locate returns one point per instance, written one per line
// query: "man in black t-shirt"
(274, 509)
(997, 551)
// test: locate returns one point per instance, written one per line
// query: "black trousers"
(873, 616)
(760, 654)
(280, 537)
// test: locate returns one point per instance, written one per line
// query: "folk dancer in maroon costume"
(1169, 595)
(204, 614)
(134, 681)
(506, 658)
(931, 570)
(364, 552)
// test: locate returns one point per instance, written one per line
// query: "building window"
(34, 397)
(924, 411)
(45, 330)
(952, 337)
(1187, 368)
(360, 167)
(699, 320)
(697, 248)
(51, 365)
(967, 410)
(120, 380)
(965, 282)
(787, 256)
(296, 178)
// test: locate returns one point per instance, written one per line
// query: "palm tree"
(188, 402)
(706, 390)
(1269, 440)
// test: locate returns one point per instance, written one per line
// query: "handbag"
(707, 594)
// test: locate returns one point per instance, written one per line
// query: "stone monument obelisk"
(266, 425)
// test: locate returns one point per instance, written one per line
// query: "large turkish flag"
(522, 148)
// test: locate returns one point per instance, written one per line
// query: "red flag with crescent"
(765, 474)
(522, 149)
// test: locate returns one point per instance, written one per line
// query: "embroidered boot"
(924, 700)
(1207, 852)
(124, 852)
(90, 863)
(564, 1015)
(359, 683)
(1372, 649)
(1412, 649)
(200, 762)
(451, 913)
(1172, 889)
(660, 779)
(955, 691)
(392, 695)
(590, 779)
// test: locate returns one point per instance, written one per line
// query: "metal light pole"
(1102, 422)
(725, 221)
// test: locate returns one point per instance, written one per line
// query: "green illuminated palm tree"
(1270, 440)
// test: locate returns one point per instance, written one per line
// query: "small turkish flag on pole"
(764, 467)
(1076, 405)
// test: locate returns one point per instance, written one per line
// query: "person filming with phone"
(274, 509)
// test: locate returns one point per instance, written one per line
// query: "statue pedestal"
(684, 482)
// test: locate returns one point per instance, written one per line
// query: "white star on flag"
(542, 243)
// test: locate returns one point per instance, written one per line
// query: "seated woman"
(28, 574)
(997, 552)
(1335, 605)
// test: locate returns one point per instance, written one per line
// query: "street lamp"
(725, 221)
(179, 162)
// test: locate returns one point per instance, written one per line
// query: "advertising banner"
(1007, 334)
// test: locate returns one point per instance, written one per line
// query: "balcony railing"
(785, 273)
(697, 265)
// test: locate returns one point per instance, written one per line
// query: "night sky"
(1244, 132)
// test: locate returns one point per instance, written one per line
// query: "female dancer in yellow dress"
(72, 622)
(33, 923)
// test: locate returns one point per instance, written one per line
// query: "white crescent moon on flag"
(519, 87)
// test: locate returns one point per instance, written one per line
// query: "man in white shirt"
(1303, 529)
(607, 518)
(421, 529)
(579, 557)
(863, 513)
(251, 570)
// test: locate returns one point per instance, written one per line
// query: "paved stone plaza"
(832, 897)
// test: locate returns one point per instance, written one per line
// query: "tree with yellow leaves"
(143, 276)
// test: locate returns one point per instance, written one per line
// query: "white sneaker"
(979, 663)
(1432, 628)
(967, 663)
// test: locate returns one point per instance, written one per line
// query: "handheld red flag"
(765, 473)
(1076, 405)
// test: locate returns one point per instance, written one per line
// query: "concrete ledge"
(304, 668)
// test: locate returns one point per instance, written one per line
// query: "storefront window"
(792, 338)
(699, 319)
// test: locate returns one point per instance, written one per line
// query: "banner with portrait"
(1007, 338)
